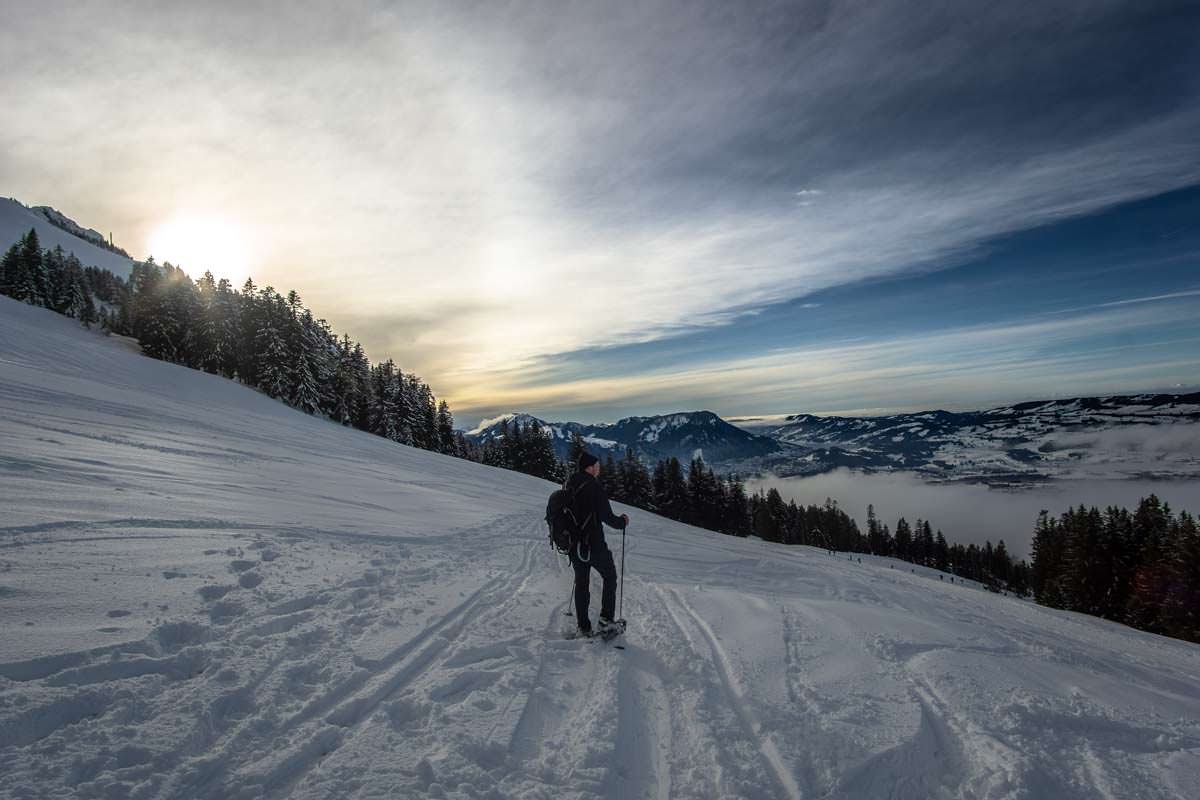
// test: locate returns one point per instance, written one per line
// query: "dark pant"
(602, 560)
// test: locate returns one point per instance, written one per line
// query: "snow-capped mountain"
(207, 594)
(1119, 436)
(54, 229)
(683, 435)
(1142, 436)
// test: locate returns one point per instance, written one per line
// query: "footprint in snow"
(249, 580)
(214, 592)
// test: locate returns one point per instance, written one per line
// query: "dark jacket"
(591, 507)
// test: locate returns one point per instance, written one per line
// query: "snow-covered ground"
(205, 594)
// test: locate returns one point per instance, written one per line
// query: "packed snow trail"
(207, 594)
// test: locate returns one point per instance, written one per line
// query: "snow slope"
(205, 594)
(16, 220)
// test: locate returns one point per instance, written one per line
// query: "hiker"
(591, 508)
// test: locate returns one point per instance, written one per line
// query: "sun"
(199, 243)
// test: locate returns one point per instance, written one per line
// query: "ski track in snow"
(208, 595)
(735, 696)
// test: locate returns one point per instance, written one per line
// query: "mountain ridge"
(55, 229)
(1007, 445)
(682, 435)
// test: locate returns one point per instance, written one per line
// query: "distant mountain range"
(684, 436)
(1138, 436)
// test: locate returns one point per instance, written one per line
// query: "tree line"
(1140, 568)
(259, 337)
(58, 281)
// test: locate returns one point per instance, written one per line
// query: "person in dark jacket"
(592, 510)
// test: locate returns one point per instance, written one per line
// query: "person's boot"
(608, 627)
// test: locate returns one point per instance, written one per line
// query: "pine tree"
(223, 326)
(313, 351)
(20, 280)
(34, 284)
(445, 426)
(495, 451)
(1181, 606)
(635, 481)
(152, 320)
(1151, 526)
(347, 384)
(274, 361)
(306, 393)
(1118, 538)
(941, 553)
(874, 532)
(57, 296)
(927, 544)
(904, 543)
(1001, 566)
(8, 269)
(428, 420)
(771, 517)
(360, 388)
(539, 458)
(676, 501)
(253, 307)
(703, 510)
(394, 414)
(610, 479)
(739, 508)
(514, 448)
(208, 335)
(1048, 549)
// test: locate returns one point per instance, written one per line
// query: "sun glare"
(199, 243)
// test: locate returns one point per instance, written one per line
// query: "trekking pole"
(570, 597)
(621, 604)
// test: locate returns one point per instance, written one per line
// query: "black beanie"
(586, 460)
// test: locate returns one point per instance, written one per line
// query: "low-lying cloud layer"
(1148, 440)
(973, 514)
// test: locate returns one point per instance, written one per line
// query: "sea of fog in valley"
(971, 513)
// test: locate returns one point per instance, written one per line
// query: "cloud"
(581, 177)
(1149, 440)
(967, 367)
(1153, 299)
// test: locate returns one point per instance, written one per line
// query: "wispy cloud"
(533, 179)
(967, 367)
(1153, 299)
(1157, 298)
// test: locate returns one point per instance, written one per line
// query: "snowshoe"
(609, 629)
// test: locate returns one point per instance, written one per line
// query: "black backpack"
(566, 534)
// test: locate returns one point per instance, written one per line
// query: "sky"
(591, 210)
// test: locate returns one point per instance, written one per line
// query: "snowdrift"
(206, 594)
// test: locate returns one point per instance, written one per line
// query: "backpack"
(566, 534)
